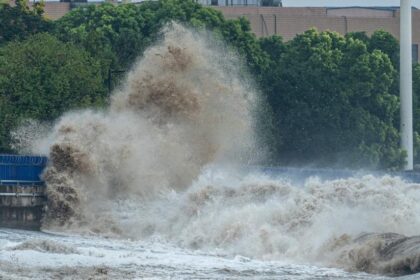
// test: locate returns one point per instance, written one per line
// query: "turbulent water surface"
(167, 166)
(36, 255)
(234, 227)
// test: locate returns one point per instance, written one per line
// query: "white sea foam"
(99, 258)
(162, 162)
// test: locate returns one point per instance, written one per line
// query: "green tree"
(111, 33)
(117, 35)
(19, 22)
(416, 111)
(333, 102)
(41, 78)
(380, 40)
(385, 42)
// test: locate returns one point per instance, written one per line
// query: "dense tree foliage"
(333, 102)
(380, 40)
(330, 99)
(20, 22)
(118, 34)
(42, 77)
(416, 111)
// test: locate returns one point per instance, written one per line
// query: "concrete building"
(55, 10)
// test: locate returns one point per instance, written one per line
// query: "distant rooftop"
(392, 8)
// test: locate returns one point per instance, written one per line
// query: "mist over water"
(162, 162)
(182, 106)
(319, 222)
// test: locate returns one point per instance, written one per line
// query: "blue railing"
(27, 170)
(23, 160)
(21, 170)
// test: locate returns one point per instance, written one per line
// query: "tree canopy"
(41, 78)
(117, 35)
(19, 22)
(333, 101)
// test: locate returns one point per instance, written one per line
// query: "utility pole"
(406, 82)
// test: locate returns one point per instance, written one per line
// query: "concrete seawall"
(22, 192)
(21, 206)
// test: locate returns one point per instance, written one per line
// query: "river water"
(40, 255)
(158, 185)
(243, 226)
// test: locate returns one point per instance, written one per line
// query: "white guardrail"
(21, 182)
(15, 194)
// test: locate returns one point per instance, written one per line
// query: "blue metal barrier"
(18, 169)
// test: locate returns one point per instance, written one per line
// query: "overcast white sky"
(338, 3)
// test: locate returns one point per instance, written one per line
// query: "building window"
(415, 52)
(214, 2)
(272, 3)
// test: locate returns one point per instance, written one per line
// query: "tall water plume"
(160, 162)
(183, 106)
